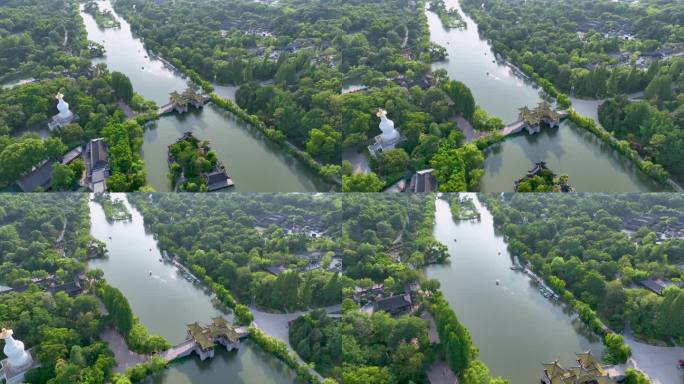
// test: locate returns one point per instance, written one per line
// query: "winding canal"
(165, 303)
(255, 164)
(592, 165)
(513, 325)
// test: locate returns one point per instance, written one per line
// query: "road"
(659, 363)
(276, 325)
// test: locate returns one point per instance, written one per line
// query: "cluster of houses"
(314, 261)
(376, 298)
(671, 229)
(95, 156)
(308, 225)
(50, 284)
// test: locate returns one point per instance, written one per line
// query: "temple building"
(96, 160)
(422, 181)
(588, 370)
(64, 117)
(396, 305)
(18, 361)
(205, 338)
(389, 137)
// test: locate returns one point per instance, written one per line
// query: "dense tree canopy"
(578, 243)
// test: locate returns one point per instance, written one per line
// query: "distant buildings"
(665, 228)
(49, 284)
(657, 284)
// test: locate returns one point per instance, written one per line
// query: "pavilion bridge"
(532, 120)
(203, 339)
(179, 102)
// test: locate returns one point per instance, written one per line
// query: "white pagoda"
(64, 117)
(18, 361)
(389, 137)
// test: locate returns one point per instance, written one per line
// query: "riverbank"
(655, 171)
(330, 173)
(501, 89)
(166, 302)
(512, 313)
(255, 163)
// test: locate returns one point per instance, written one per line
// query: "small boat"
(455, 240)
(150, 249)
(160, 260)
(487, 73)
(497, 282)
(110, 237)
(150, 273)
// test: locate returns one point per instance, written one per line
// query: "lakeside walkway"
(440, 373)
(125, 358)
(277, 326)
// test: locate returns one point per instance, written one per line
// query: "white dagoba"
(389, 134)
(64, 117)
(17, 357)
(388, 138)
(63, 108)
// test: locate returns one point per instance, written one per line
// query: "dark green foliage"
(39, 38)
(316, 339)
(123, 89)
(396, 347)
(458, 347)
(219, 242)
(576, 243)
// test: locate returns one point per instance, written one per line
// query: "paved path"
(359, 160)
(276, 325)
(182, 349)
(124, 357)
(432, 331)
(440, 373)
(659, 363)
(471, 134)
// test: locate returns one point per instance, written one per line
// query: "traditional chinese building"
(206, 338)
(588, 370)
